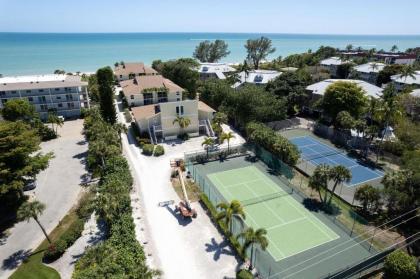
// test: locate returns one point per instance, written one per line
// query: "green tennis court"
(291, 228)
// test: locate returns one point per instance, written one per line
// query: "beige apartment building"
(64, 94)
(126, 71)
(152, 89)
(158, 119)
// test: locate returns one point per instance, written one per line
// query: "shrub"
(73, 233)
(393, 147)
(45, 133)
(159, 150)
(184, 136)
(244, 274)
(127, 115)
(55, 250)
(148, 149)
(143, 141)
(400, 265)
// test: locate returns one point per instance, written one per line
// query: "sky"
(246, 16)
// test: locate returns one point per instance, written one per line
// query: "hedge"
(400, 265)
(120, 255)
(273, 142)
(213, 214)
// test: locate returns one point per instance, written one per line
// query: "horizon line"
(204, 32)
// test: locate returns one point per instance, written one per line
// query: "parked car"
(30, 184)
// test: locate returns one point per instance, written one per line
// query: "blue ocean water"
(41, 53)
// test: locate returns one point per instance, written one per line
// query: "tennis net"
(321, 155)
(266, 198)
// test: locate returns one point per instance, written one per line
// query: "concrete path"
(58, 187)
(179, 248)
(92, 234)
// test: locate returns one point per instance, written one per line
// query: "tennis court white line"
(287, 223)
(265, 205)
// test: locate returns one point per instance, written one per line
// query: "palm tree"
(245, 68)
(120, 128)
(408, 71)
(54, 119)
(251, 238)
(219, 119)
(30, 210)
(234, 208)
(394, 48)
(183, 122)
(319, 180)
(227, 136)
(338, 174)
(349, 47)
(208, 142)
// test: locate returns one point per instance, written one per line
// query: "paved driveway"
(180, 249)
(58, 187)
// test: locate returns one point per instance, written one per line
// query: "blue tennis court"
(318, 153)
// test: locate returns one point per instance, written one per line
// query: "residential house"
(368, 72)
(402, 82)
(257, 77)
(126, 71)
(397, 58)
(158, 120)
(214, 70)
(317, 90)
(331, 65)
(64, 94)
(151, 89)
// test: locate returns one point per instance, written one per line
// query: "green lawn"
(33, 267)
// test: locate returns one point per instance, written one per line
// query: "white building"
(401, 82)
(397, 58)
(64, 94)
(331, 64)
(318, 89)
(369, 71)
(214, 70)
(257, 77)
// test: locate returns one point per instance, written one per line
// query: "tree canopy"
(291, 86)
(258, 49)
(182, 72)
(344, 96)
(105, 79)
(18, 109)
(208, 51)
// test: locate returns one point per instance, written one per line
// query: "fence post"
(352, 228)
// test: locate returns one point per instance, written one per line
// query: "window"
(30, 99)
(162, 97)
(180, 110)
(57, 89)
(148, 98)
(69, 97)
(120, 76)
(58, 97)
(70, 105)
(2, 93)
(28, 91)
(132, 97)
(13, 92)
(60, 105)
(40, 90)
(44, 107)
(42, 99)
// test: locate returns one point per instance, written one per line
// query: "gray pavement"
(58, 188)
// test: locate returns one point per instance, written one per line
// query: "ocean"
(42, 53)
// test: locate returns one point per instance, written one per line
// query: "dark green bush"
(393, 147)
(184, 136)
(55, 250)
(135, 129)
(159, 150)
(143, 141)
(213, 214)
(400, 265)
(73, 233)
(148, 149)
(244, 274)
